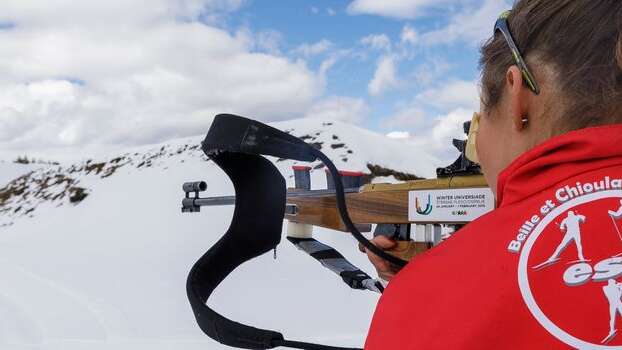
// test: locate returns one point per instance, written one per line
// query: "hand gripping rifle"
(237, 144)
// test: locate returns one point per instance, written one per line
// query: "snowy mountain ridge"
(59, 185)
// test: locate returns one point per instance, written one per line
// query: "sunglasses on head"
(502, 26)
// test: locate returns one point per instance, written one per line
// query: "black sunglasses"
(502, 26)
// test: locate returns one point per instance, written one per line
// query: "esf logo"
(570, 271)
(423, 211)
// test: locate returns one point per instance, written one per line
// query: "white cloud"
(470, 21)
(450, 126)
(400, 135)
(269, 41)
(136, 71)
(329, 10)
(308, 50)
(327, 64)
(409, 35)
(110, 13)
(347, 109)
(384, 77)
(377, 41)
(334, 56)
(395, 8)
(433, 136)
(433, 69)
(437, 137)
(457, 100)
(450, 95)
(474, 24)
(410, 118)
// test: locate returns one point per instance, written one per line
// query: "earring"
(525, 120)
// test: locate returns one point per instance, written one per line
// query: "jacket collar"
(558, 159)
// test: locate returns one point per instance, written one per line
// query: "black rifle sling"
(255, 229)
(330, 258)
(236, 144)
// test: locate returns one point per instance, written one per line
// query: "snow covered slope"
(94, 255)
(10, 170)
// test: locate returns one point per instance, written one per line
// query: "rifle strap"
(236, 144)
(330, 258)
(255, 229)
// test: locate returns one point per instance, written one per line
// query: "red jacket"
(542, 271)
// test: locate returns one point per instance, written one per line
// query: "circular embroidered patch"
(570, 271)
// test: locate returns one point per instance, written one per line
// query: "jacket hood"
(569, 154)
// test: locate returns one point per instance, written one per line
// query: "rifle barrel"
(230, 200)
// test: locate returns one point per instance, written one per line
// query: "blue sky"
(309, 22)
(93, 74)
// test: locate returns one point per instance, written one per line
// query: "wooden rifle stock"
(376, 204)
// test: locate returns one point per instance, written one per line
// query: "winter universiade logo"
(569, 266)
(428, 207)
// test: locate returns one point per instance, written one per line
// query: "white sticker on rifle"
(454, 205)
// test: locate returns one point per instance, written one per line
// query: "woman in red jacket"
(544, 269)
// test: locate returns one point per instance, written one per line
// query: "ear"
(517, 98)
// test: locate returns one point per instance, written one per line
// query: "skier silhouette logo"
(571, 226)
(616, 215)
(613, 293)
(613, 289)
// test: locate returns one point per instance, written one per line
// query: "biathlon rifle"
(457, 196)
